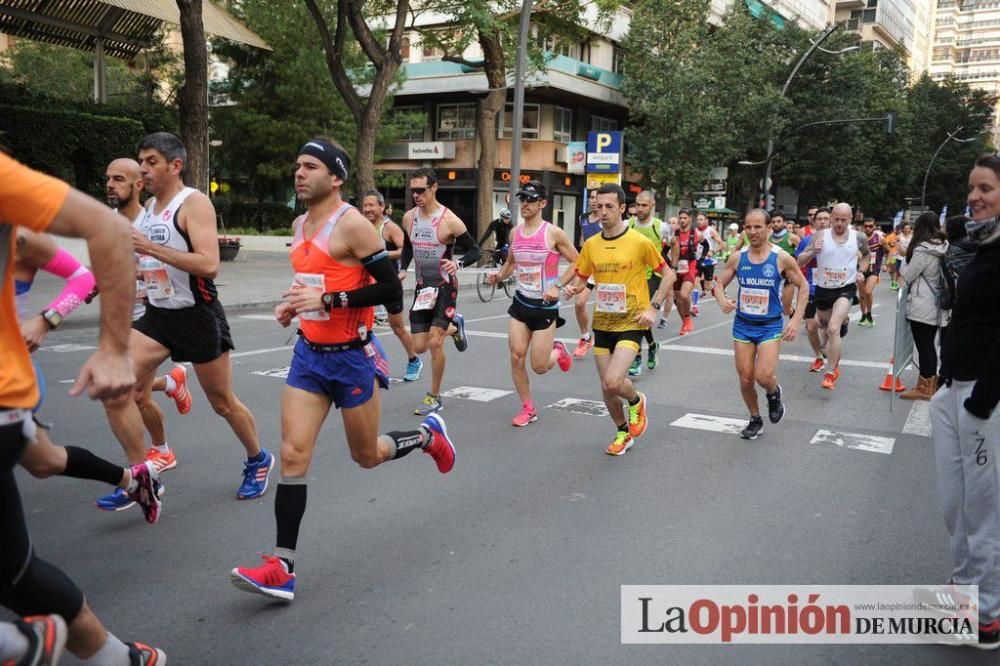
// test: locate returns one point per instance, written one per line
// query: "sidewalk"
(255, 284)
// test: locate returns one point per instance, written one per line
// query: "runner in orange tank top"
(341, 270)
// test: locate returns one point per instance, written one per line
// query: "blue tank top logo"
(759, 297)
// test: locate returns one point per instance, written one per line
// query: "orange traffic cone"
(886, 384)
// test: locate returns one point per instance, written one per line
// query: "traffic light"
(889, 123)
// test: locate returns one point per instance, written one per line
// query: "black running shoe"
(753, 429)
(775, 408)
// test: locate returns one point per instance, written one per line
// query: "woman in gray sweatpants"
(964, 415)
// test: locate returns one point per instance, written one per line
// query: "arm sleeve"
(468, 243)
(29, 198)
(386, 288)
(79, 282)
(407, 255)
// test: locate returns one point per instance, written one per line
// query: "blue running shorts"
(755, 333)
(347, 378)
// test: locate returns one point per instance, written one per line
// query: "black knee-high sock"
(289, 507)
(82, 464)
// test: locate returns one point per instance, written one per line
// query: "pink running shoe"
(565, 358)
(524, 417)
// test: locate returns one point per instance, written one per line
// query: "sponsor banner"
(793, 614)
(595, 180)
(576, 156)
(425, 150)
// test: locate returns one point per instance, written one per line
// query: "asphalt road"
(517, 556)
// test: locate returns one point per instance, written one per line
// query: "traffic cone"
(887, 382)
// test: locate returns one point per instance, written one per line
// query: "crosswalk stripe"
(854, 440)
(918, 422)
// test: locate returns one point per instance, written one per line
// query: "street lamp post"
(518, 120)
(766, 185)
(951, 137)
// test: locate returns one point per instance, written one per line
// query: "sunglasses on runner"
(524, 199)
(418, 190)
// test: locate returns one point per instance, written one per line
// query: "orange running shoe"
(181, 395)
(830, 379)
(623, 442)
(817, 365)
(583, 346)
(637, 421)
(162, 461)
(687, 326)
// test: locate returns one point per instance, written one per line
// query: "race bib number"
(754, 301)
(611, 298)
(155, 277)
(426, 298)
(530, 279)
(312, 280)
(682, 265)
(834, 277)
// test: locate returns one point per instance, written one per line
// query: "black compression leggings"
(923, 340)
(28, 584)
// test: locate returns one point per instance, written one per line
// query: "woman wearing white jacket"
(922, 272)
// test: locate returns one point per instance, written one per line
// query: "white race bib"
(155, 277)
(611, 298)
(530, 279)
(312, 280)
(834, 277)
(754, 301)
(682, 265)
(426, 298)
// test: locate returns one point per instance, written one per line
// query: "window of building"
(412, 120)
(529, 126)
(618, 61)
(562, 124)
(601, 124)
(431, 53)
(456, 121)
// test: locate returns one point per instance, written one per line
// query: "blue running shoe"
(440, 447)
(115, 501)
(460, 338)
(413, 369)
(255, 476)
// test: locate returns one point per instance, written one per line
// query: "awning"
(718, 212)
(761, 11)
(119, 28)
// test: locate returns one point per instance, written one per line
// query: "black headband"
(335, 159)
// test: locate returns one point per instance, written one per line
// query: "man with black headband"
(432, 231)
(337, 361)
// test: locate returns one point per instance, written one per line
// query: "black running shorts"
(198, 334)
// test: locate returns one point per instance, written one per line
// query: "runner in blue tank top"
(759, 327)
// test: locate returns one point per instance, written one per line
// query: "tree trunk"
(495, 68)
(192, 100)
(364, 161)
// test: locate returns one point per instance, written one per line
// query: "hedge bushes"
(259, 216)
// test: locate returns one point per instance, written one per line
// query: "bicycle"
(485, 290)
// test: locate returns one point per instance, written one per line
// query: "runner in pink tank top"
(534, 314)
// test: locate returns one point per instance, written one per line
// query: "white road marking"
(577, 406)
(918, 422)
(264, 317)
(475, 393)
(711, 423)
(854, 440)
(281, 373)
(255, 352)
(505, 316)
(62, 349)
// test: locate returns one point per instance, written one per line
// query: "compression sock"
(82, 464)
(405, 441)
(289, 507)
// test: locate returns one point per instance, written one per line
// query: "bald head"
(840, 218)
(124, 182)
(644, 204)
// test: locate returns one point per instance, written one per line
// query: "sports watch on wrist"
(53, 317)
(328, 300)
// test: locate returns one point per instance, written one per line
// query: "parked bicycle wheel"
(484, 289)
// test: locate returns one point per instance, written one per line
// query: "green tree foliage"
(699, 97)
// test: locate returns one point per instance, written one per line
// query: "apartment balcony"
(851, 4)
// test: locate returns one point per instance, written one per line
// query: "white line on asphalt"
(710, 423)
(854, 440)
(281, 373)
(577, 406)
(62, 349)
(255, 352)
(475, 393)
(918, 422)
(505, 316)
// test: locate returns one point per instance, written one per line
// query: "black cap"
(532, 190)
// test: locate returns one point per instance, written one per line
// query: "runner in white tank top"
(836, 275)
(534, 314)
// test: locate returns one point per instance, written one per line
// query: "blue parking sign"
(604, 152)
